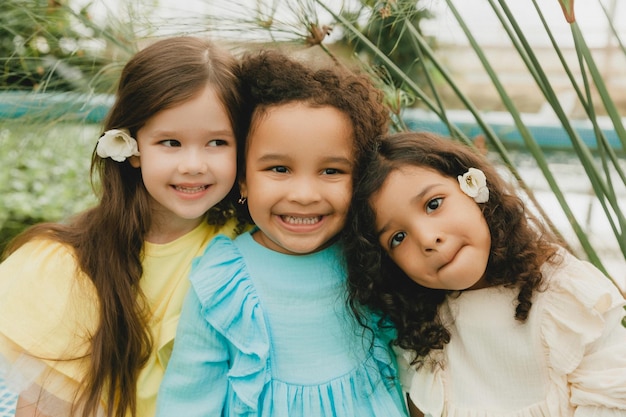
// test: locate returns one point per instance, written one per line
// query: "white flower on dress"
(474, 184)
(117, 144)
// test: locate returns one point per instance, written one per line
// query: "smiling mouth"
(191, 190)
(301, 220)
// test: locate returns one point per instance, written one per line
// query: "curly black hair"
(520, 244)
(270, 78)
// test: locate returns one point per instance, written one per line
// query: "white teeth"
(301, 220)
(190, 190)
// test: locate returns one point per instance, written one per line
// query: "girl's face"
(432, 230)
(299, 176)
(187, 161)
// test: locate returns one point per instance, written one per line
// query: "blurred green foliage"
(44, 175)
(393, 40)
(47, 46)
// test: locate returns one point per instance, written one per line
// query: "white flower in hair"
(474, 184)
(117, 144)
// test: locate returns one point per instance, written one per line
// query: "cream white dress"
(568, 359)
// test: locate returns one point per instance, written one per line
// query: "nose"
(193, 162)
(428, 236)
(304, 190)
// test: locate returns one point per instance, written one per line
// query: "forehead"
(299, 126)
(411, 174)
(404, 183)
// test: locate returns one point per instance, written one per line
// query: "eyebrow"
(416, 197)
(338, 160)
(174, 133)
(271, 157)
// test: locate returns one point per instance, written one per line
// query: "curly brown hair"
(269, 78)
(520, 244)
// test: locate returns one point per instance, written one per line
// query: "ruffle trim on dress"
(374, 381)
(231, 305)
(578, 302)
(574, 308)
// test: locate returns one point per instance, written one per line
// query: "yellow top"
(49, 309)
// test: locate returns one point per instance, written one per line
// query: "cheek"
(485, 233)
(231, 171)
(407, 258)
(342, 197)
(344, 203)
(225, 167)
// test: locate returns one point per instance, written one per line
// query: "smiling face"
(187, 161)
(432, 230)
(298, 181)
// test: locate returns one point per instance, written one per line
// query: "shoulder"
(42, 248)
(576, 308)
(221, 283)
(230, 229)
(44, 268)
(220, 269)
(40, 261)
(573, 279)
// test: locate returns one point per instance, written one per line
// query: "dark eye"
(331, 171)
(218, 142)
(433, 204)
(170, 143)
(396, 239)
(280, 169)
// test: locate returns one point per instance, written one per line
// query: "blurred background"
(539, 86)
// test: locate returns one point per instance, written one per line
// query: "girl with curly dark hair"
(493, 316)
(265, 330)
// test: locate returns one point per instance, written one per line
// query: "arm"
(195, 381)
(37, 402)
(47, 313)
(582, 328)
(27, 409)
(598, 384)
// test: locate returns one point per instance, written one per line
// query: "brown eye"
(218, 142)
(396, 239)
(433, 204)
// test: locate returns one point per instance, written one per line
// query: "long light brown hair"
(108, 239)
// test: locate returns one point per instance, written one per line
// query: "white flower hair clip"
(474, 184)
(117, 144)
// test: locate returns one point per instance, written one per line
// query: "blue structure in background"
(65, 106)
(547, 131)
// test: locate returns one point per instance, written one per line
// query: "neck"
(166, 232)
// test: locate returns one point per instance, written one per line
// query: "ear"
(134, 161)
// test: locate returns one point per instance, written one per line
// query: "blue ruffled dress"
(268, 334)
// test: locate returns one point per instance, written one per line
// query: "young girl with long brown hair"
(89, 308)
